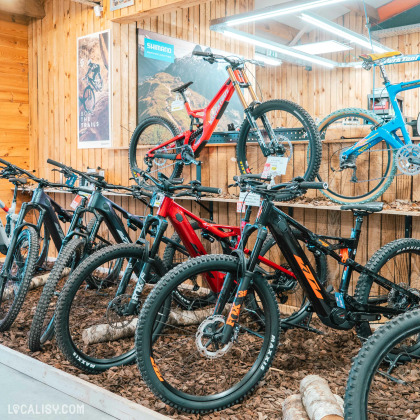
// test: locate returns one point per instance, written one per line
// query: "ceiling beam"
(29, 8)
(88, 2)
(273, 27)
(159, 7)
(372, 12)
(395, 7)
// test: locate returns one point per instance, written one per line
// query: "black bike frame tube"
(297, 259)
(40, 200)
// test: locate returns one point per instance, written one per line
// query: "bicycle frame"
(388, 131)
(210, 115)
(339, 311)
(178, 217)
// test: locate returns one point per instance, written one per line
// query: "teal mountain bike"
(361, 171)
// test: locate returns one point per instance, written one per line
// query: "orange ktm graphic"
(309, 277)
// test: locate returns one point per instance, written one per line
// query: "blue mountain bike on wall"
(361, 171)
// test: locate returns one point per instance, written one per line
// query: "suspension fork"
(243, 287)
(145, 265)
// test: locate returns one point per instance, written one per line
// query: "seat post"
(384, 75)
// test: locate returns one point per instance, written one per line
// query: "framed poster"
(94, 91)
(119, 4)
(165, 63)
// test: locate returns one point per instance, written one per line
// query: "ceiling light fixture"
(265, 43)
(271, 61)
(282, 10)
(342, 32)
(322, 47)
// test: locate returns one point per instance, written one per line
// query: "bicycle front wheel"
(296, 139)
(361, 178)
(92, 326)
(151, 132)
(178, 352)
(379, 387)
(15, 278)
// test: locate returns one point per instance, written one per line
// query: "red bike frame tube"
(4, 207)
(178, 216)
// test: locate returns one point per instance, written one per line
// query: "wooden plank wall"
(53, 116)
(14, 97)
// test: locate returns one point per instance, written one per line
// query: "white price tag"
(177, 104)
(76, 202)
(275, 165)
(247, 199)
(158, 200)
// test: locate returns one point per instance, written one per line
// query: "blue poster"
(158, 50)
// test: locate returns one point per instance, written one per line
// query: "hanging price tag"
(247, 199)
(177, 104)
(76, 202)
(157, 199)
(275, 165)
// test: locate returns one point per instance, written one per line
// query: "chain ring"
(114, 319)
(405, 152)
(199, 337)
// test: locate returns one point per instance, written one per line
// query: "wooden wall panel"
(14, 98)
(53, 105)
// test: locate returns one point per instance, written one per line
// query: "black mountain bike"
(83, 239)
(217, 354)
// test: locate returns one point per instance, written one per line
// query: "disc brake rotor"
(403, 154)
(115, 312)
(205, 337)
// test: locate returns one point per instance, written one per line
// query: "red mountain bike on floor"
(269, 129)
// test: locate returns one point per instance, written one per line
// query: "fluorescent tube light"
(281, 11)
(322, 47)
(342, 32)
(271, 61)
(253, 39)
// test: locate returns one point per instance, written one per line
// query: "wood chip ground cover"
(300, 353)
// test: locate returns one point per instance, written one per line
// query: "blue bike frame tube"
(388, 131)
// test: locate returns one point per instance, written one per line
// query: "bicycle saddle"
(370, 58)
(366, 207)
(181, 89)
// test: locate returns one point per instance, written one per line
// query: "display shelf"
(332, 207)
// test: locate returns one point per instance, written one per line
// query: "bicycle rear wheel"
(398, 262)
(151, 132)
(369, 174)
(297, 140)
(178, 352)
(380, 386)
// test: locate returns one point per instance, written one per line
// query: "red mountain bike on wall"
(271, 128)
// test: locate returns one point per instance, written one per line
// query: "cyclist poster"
(94, 91)
(119, 4)
(164, 63)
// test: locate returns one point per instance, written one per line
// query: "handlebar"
(235, 61)
(209, 190)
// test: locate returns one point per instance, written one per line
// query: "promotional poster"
(119, 4)
(165, 63)
(94, 91)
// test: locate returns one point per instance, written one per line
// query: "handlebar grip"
(202, 53)
(82, 189)
(307, 185)
(5, 162)
(209, 190)
(146, 193)
(55, 163)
